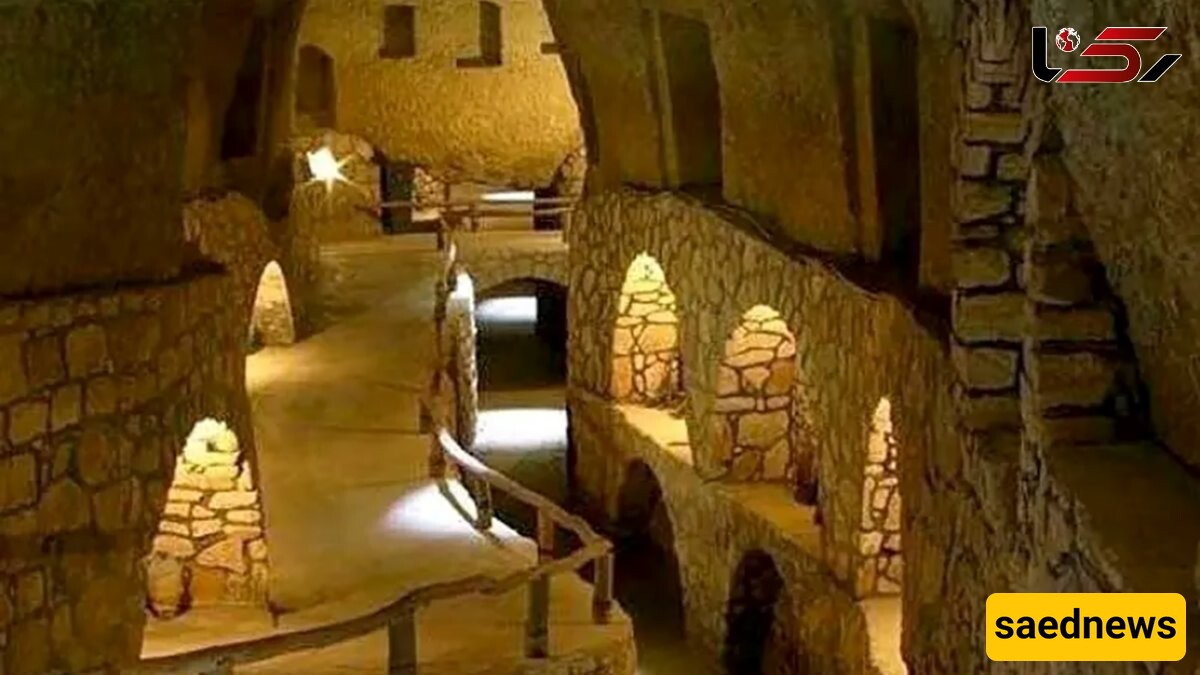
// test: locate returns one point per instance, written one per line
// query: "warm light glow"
(325, 168)
(514, 311)
(426, 511)
(521, 430)
(512, 197)
(207, 433)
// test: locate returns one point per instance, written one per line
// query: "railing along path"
(400, 617)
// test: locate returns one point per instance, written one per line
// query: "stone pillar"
(989, 303)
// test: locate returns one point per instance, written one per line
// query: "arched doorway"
(648, 583)
(645, 349)
(881, 570)
(271, 322)
(753, 645)
(754, 425)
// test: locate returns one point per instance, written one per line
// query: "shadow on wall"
(753, 644)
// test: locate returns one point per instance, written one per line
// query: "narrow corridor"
(522, 431)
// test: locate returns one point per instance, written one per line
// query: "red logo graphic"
(1067, 40)
(1112, 42)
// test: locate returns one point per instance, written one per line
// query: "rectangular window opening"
(399, 32)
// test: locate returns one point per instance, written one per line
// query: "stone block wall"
(881, 571)
(851, 349)
(263, 259)
(97, 393)
(752, 428)
(210, 547)
(646, 338)
(817, 626)
(461, 351)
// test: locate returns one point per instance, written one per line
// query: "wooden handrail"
(398, 617)
(477, 203)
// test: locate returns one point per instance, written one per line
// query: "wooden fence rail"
(400, 617)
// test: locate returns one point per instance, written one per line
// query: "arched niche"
(645, 349)
(272, 321)
(210, 547)
(881, 567)
(754, 420)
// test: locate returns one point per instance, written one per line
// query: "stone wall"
(494, 258)
(267, 262)
(345, 209)
(646, 338)
(97, 394)
(462, 337)
(210, 547)
(712, 529)
(985, 509)
(851, 349)
(512, 124)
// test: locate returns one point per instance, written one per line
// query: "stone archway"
(756, 409)
(271, 321)
(210, 547)
(648, 579)
(645, 349)
(881, 566)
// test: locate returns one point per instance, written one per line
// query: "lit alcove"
(645, 361)
(272, 322)
(210, 546)
(755, 408)
(881, 571)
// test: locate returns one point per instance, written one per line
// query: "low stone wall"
(847, 350)
(97, 393)
(819, 626)
(492, 258)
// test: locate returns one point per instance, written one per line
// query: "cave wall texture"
(509, 124)
(115, 335)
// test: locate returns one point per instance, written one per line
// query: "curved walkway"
(353, 520)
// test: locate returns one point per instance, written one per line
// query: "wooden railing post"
(602, 589)
(402, 644)
(537, 624)
(483, 506)
(545, 536)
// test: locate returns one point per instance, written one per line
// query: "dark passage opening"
(647, 580)
(695, 96)
(750, 618)
(240, 137)
(316, 92)
(895, 111)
